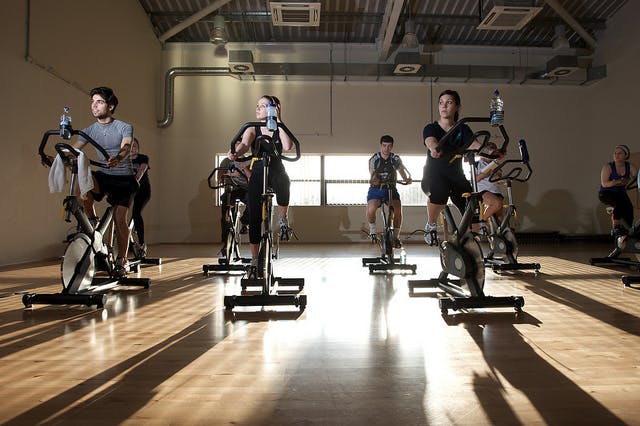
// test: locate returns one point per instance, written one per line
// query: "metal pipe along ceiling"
(168, 86)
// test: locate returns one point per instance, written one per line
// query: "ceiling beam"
(388, 28)
(570, 20)
(213, 6)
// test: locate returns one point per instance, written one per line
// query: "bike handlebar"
(269, 140)
(464, 147)
(70, 132)
(213, 173)
(516, 172)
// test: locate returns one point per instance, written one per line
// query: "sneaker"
(431, 234)
(397, 244)
(120, 268)
(284, 229)
(374, 238)
(143, 250)
(618, 231)
(252, 272)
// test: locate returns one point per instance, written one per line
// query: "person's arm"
(404, 172)
(125, 148)
(141, 171)
(244, 144)
(245, 170)
(285, 140)
(605, 174)
(633, 173)
(374, 179)
(432, 143)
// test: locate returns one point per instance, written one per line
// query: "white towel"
(57, 175)
(85, 179)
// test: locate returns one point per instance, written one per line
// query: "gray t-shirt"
(110, 136)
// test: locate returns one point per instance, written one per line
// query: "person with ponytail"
(443, 177)
(614, 178)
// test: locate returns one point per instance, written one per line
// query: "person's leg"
(607, 198)
(493, 206)
(139, 201)
(397, 214)
(254, 205)
(224, 210)
(122, 230)
(433, 211)
(372, 207)
(281, 185)
(625, 208)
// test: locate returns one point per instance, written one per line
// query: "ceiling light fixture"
(560, 39)
(219, 33)
(410, 40)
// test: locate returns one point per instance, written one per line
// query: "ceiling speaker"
(241, 61)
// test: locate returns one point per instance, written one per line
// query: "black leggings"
(281, 185)
(622, 207)
(143, 194)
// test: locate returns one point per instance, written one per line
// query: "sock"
(372, 228)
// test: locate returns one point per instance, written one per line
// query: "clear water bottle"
(272, 115)
(65, 124)
(403, 256)
(496, 109)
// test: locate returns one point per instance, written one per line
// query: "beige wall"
(74, 46)
(570, 130)
(559, 123)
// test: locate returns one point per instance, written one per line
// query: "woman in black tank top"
(278, 178)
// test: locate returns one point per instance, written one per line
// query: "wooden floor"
(363, 352)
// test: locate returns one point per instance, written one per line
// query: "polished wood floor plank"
(365, 351)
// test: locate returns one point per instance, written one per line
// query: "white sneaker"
(431, 234)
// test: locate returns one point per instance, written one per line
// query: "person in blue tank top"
(614, 178)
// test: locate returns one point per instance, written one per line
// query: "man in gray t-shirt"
(117, 179)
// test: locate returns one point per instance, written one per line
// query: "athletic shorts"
(382, 194)
(118, 189)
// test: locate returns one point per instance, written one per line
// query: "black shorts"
(118, 189)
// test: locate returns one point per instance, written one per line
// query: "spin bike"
(230, 259)
(387, 261)
(138, 250)
(264, 149)
(503, 254)
(460, 252)
(89, 252)
(624, 244)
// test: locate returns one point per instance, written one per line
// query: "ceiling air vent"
(562, 66)
(295, 14)
(508, 17)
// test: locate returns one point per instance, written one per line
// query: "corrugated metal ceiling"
(451, 22)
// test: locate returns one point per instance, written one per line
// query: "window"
(319, 180)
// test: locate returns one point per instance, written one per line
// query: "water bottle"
(496, 109)
(272, 115)
(403, 256)
(65, 124)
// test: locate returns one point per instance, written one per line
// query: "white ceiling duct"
(508, 17)
(295, 14)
